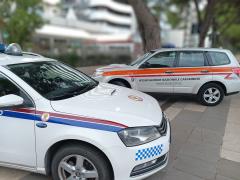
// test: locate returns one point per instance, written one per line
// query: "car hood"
(115, 67)
(113, 103)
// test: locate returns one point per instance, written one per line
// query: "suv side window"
(161, 60)
(218, 58)
(7, 87)
(191, 59)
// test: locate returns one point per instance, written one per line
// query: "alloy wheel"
(212, 95)
(76, 167)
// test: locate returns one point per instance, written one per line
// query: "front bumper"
(128, 163)
(149, 166)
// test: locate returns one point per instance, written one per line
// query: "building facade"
(87, 27)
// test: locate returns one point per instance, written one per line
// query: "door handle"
(204, 71)
(41, 125)
(168, 72)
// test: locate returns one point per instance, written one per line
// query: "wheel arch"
(121, 80)
(216, 82)
(54, 148)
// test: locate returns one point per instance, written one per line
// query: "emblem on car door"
(45, 117)
(135, 98)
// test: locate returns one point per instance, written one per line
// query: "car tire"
(119, 83)
(64, 163)
(211, 94)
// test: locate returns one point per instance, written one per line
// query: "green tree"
(21, 19)
(219, 15)
(228, 25)
(205, 17)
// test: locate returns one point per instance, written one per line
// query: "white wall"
(173, 36)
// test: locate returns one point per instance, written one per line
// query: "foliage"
(20, 19)
(222, 16)
(93, 60)
(228, 23)
(173, 18)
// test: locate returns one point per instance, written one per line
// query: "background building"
(92, 27)
(87, 27)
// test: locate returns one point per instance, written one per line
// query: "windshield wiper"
(74, 92)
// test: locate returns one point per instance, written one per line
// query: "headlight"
(97, 73)
(139, 135)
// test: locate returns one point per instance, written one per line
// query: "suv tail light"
(236, 71)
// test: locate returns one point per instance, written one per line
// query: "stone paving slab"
(172, 112)
(231, 141)
(219, 177)
(206, 136)
(195, 167)
(175, 174)
(204, 151)
(229, 169)
(195, 107)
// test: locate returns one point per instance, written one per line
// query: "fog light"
(149, 166)
(144, 165)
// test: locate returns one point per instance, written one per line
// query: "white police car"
(56, 120)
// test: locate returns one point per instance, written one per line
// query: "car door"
(191, 72)
(17, 137)
(155, 74)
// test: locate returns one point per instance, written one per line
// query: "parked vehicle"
(210, 74)
(58, 121)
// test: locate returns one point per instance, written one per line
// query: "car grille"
(163, 126)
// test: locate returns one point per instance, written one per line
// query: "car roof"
(189, 49)
(6, 59)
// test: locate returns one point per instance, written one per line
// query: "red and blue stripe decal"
(64, 119)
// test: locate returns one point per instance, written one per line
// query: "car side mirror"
(10, 100)
(145, 65)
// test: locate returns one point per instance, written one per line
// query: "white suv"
(208, 73)
(56, 120)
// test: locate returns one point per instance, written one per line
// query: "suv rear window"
(191, 59)
(219, 58)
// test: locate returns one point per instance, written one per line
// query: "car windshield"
(140, 59)
(54, 80)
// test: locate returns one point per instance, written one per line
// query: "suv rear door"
(191, 72)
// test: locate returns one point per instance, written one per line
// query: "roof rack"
(33, 54)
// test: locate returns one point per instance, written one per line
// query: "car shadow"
(167, 99)
(34, 176)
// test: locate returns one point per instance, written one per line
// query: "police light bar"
(2, 48)
(14, 49)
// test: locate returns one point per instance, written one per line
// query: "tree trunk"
(148, 25)
(1, 27)
(205, 24)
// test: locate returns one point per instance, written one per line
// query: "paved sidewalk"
(198, 133)
(231, 145)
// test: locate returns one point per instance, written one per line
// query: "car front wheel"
(211, 94)
(80, 163)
